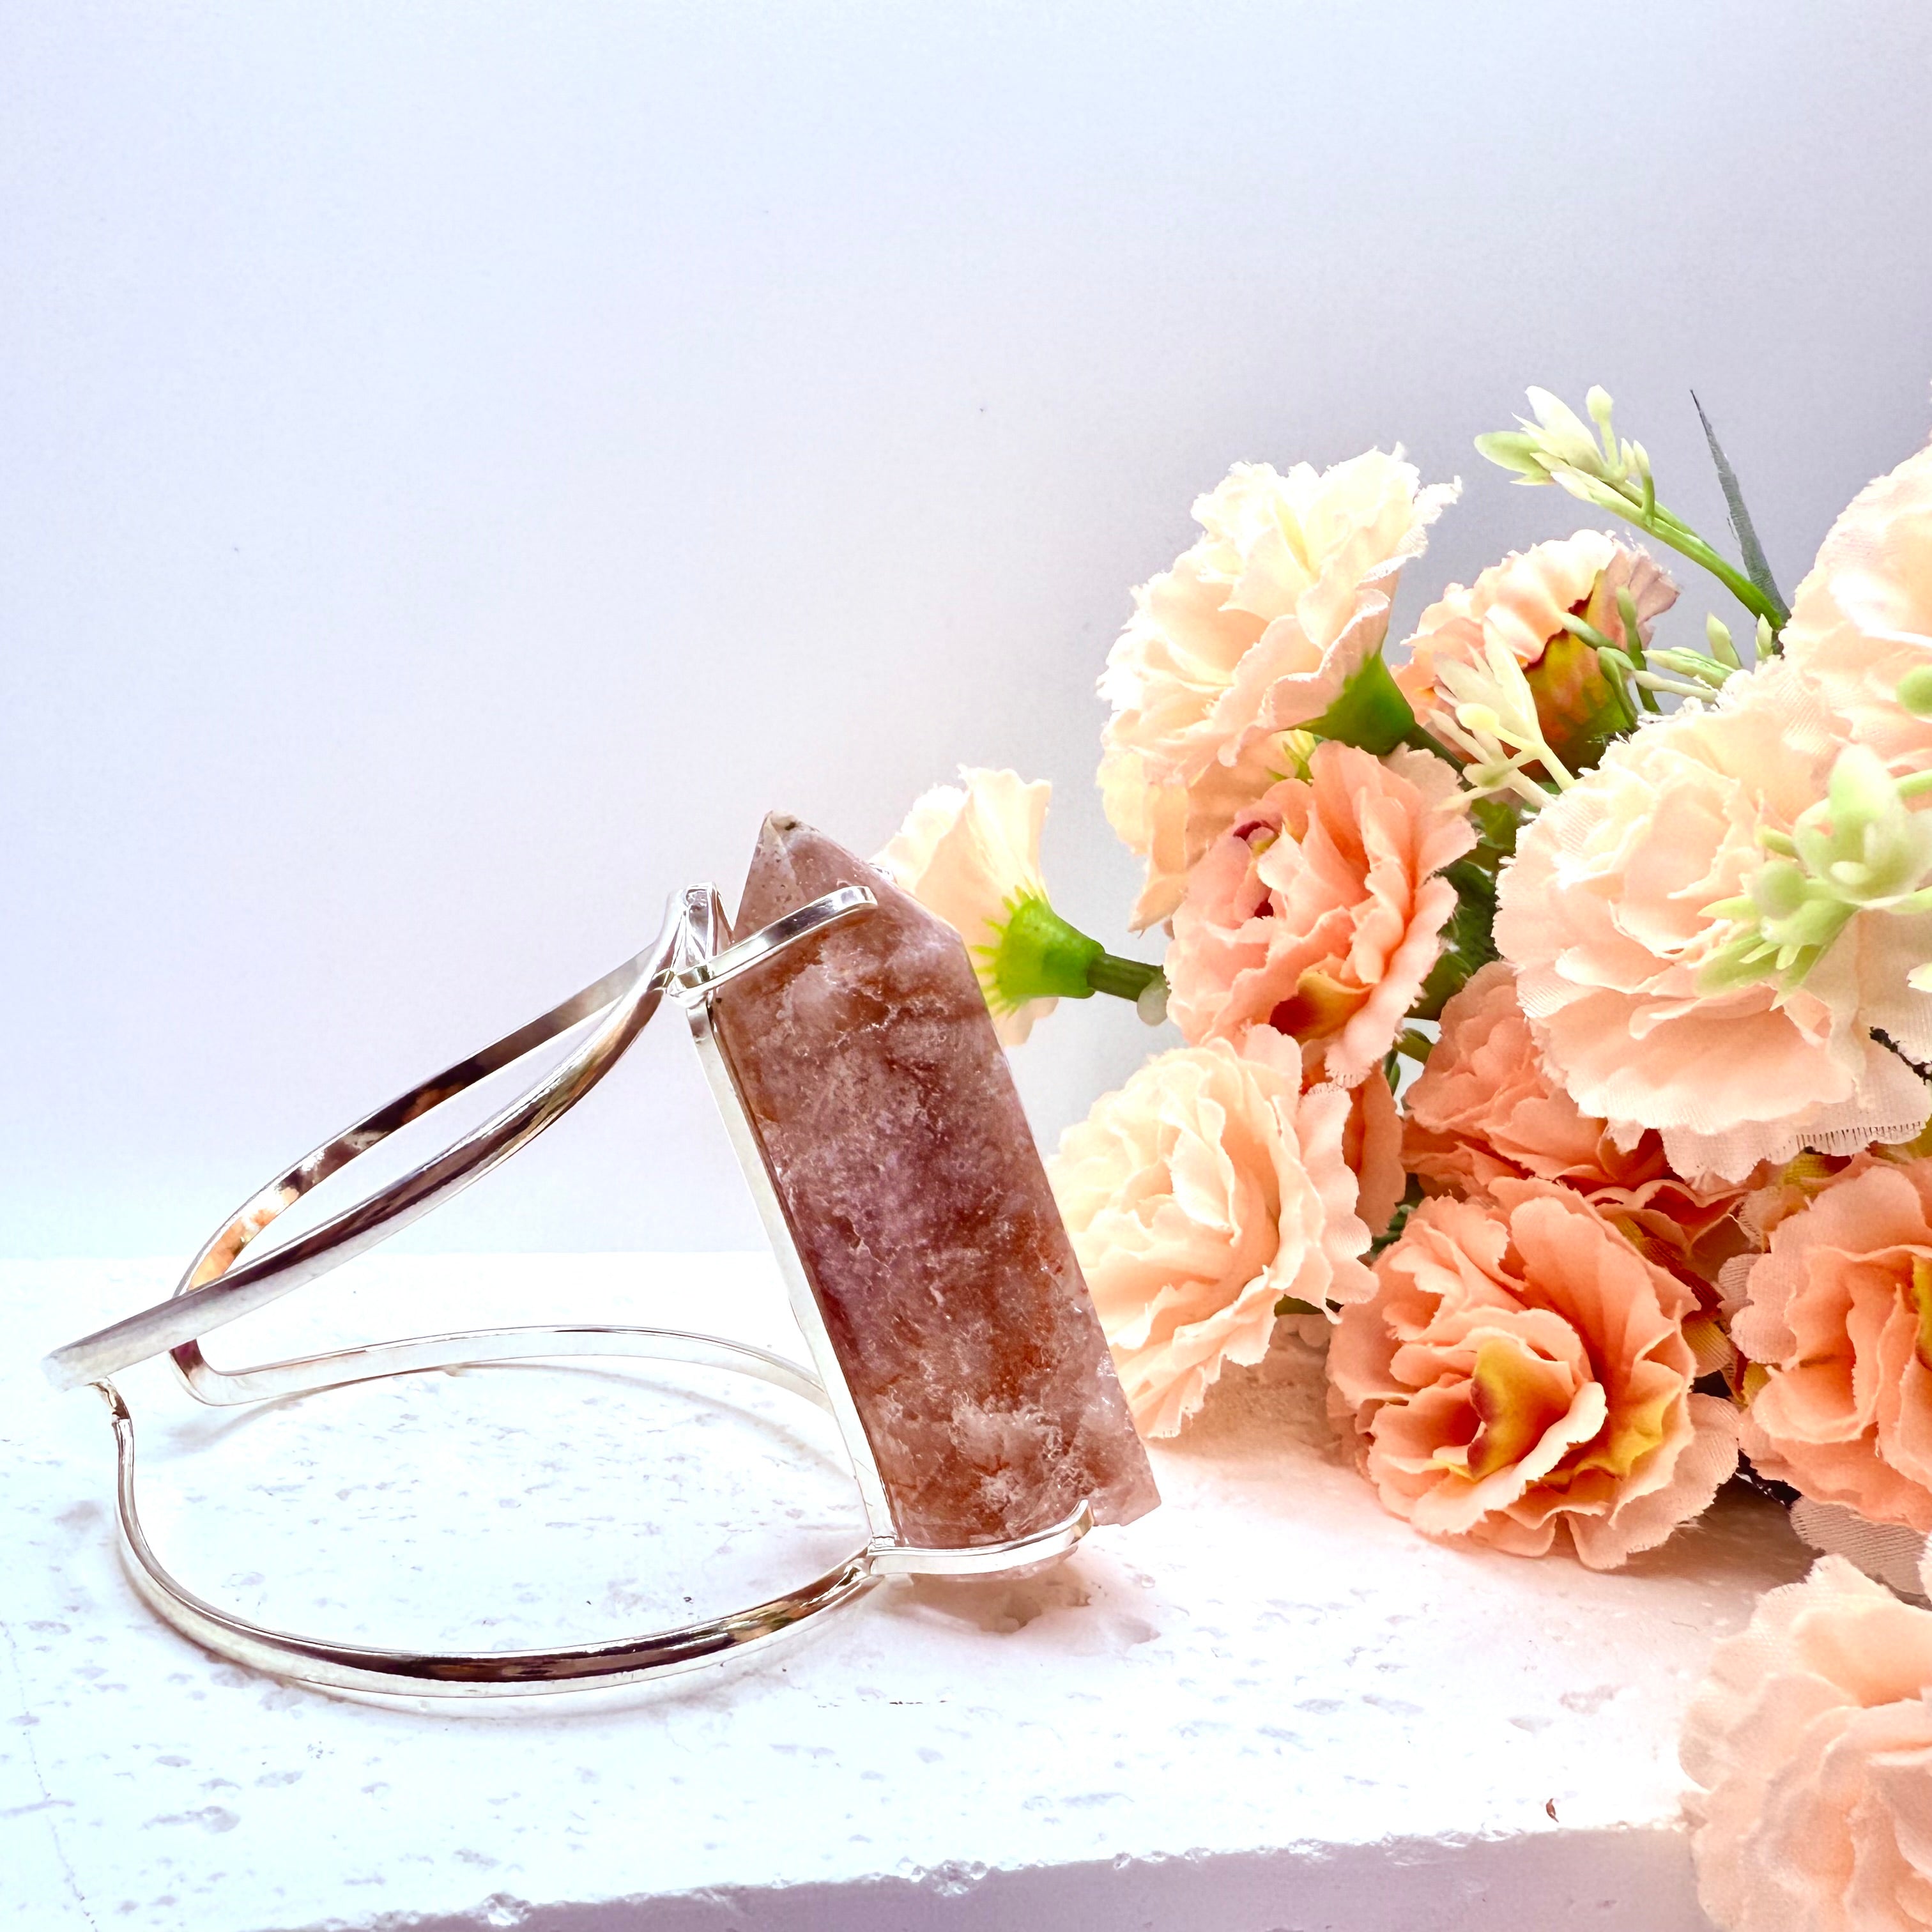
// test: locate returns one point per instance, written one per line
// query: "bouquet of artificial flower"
(1558, 1012)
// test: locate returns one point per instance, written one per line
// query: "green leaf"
(1757, 566)
(1467, 943)
(1497, 821)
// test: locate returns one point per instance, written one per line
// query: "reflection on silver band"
(687, 961)
(346, 1666)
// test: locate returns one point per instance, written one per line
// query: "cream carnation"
(1605, 913)
(1206, 1189)
(1812, 1738)
(1321, 912)
(1522, 1370)
(1862, 619)
(1255, 630)
(968, 852)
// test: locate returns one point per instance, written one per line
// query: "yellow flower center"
(1922, 1298)
(1517, 1396)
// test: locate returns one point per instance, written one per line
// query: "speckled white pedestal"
(1267, 1708)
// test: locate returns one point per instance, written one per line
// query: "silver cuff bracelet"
(693, 961)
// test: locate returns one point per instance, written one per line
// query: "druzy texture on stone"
(894, 1135)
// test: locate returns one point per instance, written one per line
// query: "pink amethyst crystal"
(892, 1132)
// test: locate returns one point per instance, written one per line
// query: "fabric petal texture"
(1811, 1743)
(1605, 913)
(1208, 1188)
(966, 852)
(1254, 630)
(1521, 1373)
(1321, 912)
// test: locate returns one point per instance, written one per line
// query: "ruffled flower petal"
(1606, 912)
(1321, 912)
(968, 852)
(1204, 1190)
(1811, 1742)
(1255, 631)
(1521, 1372)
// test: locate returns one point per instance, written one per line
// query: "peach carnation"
(1862, 618)
(1605, 913)
(1521, 1367)
(1255, 630)
(1321, 912)
(1838, 1312)
(1812, 1738)
(1521, 603)
(1171, 825)
(1485, 1108)
(1206, 1189)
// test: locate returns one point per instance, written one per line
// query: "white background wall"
(462, 464)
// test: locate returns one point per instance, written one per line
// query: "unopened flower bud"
(1564, 435)
(1778, 889)
(1718, 634)
(1514, 449)
(1915, 690)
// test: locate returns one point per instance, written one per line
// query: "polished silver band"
(687, 961)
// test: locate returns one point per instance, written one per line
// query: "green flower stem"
(1687, 543)
(1642, 509)
(1125, 979)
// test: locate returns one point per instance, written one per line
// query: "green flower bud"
(1778, 890)
(1915, 690)
(1371, 711)
(1513, 449)
(1719, 637)
(1860, 849)
(1562, 434)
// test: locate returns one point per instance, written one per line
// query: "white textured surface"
(1266, 1707)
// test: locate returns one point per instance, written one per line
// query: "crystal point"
(890, 1127)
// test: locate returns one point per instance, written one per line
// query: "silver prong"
(835, 908)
